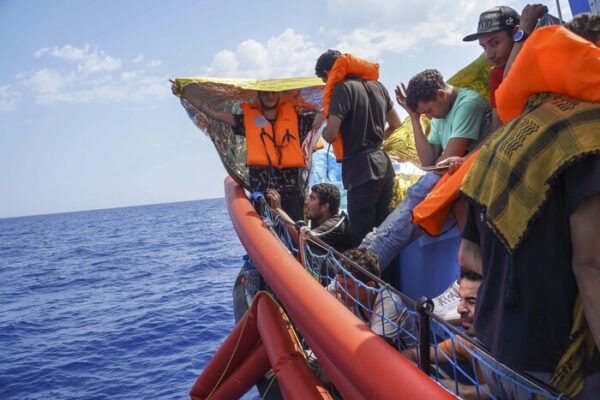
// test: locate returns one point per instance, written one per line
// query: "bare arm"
(456, 147)
(333, 127)
(319, 119)
(411, 355)
(469, 256)
(426, 151)
(191, 94)
(584, 224)
(529, 18)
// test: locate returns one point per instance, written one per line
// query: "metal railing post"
(424, 306)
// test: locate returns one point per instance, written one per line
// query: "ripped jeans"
(397, 231)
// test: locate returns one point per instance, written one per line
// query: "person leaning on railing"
(447, 350)
(323, 211)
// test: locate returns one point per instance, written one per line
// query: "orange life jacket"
(346, 65)
(553, 60)
(280, 148)
(431, 213)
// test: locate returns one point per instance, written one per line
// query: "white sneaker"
(446, 304)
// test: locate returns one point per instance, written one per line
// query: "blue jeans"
(397, 231)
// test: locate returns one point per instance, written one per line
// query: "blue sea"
(115, 304)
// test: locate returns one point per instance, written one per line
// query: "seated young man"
(460, 119)
(323, 211)
(384, 312)
(448, 349)
(495, 35)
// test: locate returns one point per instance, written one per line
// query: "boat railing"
(476, 375)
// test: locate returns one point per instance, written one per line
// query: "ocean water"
(115, 304)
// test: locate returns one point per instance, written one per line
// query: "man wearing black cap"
(501, 32)
(495, 34)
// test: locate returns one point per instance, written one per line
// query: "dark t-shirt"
(334, 232)
(286, 179)
(363, 107)
(534, 334)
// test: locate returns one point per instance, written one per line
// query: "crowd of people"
(520, 174)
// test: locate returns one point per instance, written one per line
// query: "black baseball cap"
(495, 19)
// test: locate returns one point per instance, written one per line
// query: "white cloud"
(139, 88)
(9, 98)
(83, 75)
(224, 64)
(46, 81)
(368, 29)
(289, 54)
(66, 52)
(96, 63)
(153, 63)
(128, 75)
(378, 26)
(88, 61)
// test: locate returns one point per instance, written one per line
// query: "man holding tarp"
(274, 130)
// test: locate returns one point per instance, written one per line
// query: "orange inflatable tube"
(233, 353)
(263, 339)
(360, 363)
(296, 379)
(239, 381)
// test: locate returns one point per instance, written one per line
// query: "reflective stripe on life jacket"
(346, 65)
(279, 149)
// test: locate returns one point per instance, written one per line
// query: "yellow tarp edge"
(274, 85)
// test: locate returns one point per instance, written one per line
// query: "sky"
(87, 118)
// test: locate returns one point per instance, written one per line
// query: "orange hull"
(360, 364)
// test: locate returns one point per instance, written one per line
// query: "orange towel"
(431, 213)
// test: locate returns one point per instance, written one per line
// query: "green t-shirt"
(469, 117)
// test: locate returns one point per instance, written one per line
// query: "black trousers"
(368, 205)
(292, 203)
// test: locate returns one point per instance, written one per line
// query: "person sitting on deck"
(323, 211)
(274, 132)
(460, 118)
(382, 310)
(456, 349)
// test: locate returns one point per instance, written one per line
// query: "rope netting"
(457, 361)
